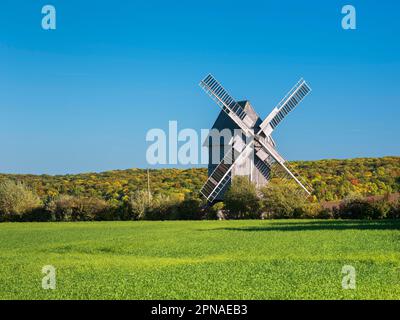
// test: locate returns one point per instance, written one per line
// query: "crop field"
(252, 259)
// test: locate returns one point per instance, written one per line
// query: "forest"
(121, 189)
(330, 179)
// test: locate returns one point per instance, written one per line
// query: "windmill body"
(218, 147)
(249, 149)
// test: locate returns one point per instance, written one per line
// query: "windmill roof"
(223, 121)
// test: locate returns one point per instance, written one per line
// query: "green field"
(282, 259)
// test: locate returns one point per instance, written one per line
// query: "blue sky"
(82, 97)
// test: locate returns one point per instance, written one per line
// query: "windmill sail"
(221, 174)
(286, 105)
(269, 150)
(263, 166)
(211, 86)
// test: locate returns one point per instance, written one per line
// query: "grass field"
(201, 260)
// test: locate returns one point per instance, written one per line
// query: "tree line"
(174, 194)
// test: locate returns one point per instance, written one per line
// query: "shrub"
(215, 212)
(39, 214)
(190, 208)
(282, 201)
(311, 210)
(162, 207)
(381, 209)
(139, 203)
(359, 208)
(71, 208)
(16, 200)
(355, 208)
(241, 199)
(394, 212)
(326, 213)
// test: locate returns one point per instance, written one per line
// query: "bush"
(16, 201)
(326, 213)
(139, 203)
(241, 199)
(162, 207)
(215, 212)
(71, 208)
(381, 209)
(190, 208)
(356, 207)
(312, 210)
(283, 201)
(394, 212)
(39, 214)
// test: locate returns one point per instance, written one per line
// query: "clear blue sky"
(82, 97)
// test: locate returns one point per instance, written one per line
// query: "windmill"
(254, 144)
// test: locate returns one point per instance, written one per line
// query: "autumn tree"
(16, 200)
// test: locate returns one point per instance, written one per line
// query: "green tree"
(283, 200)
(241, 199)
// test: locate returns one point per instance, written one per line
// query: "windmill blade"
(220, 176)
(217, 92)
(267, 151)
(264, 167)
(286, 105)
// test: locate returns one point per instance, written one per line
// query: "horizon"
(81, 98)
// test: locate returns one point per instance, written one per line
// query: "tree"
(162, 207)
(189, 208)
(282, 201)
(71, 208)
(16, 200)
(356, 207)
(241, 199)
(139, 202)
